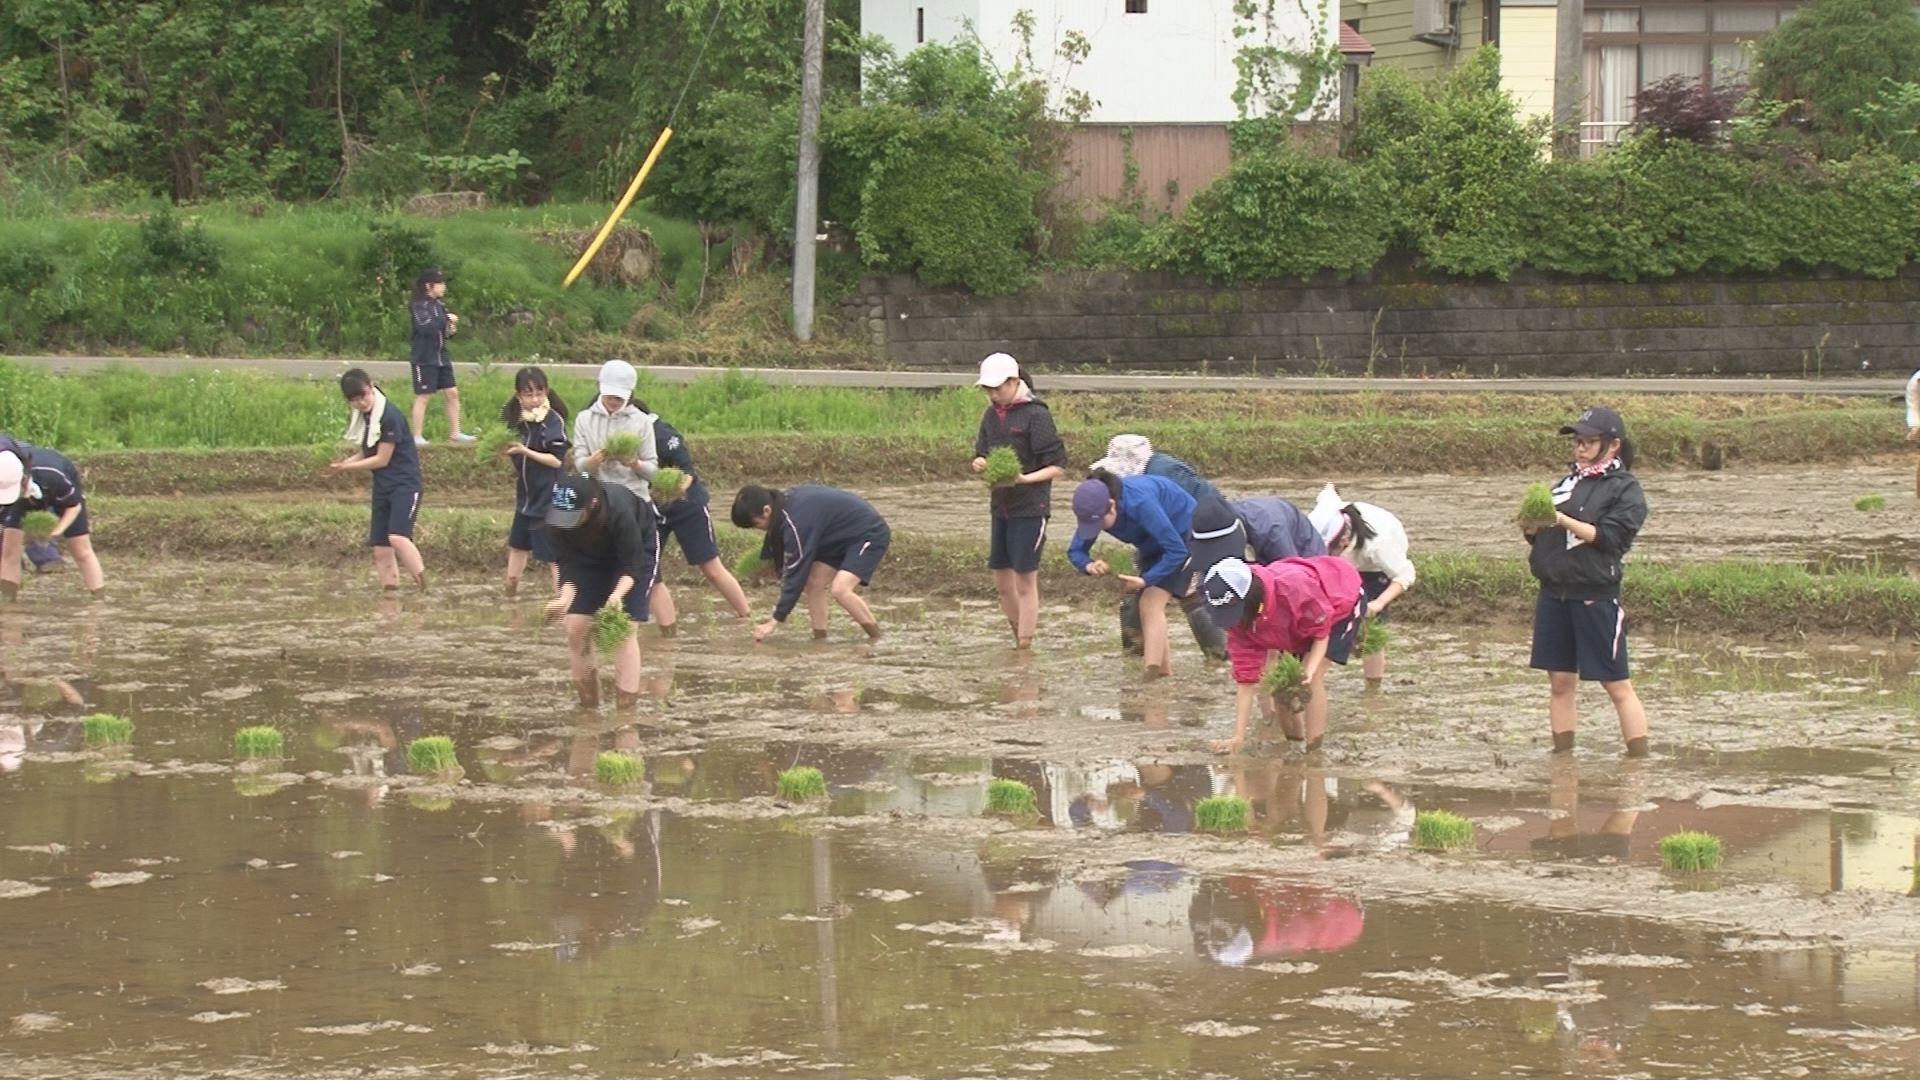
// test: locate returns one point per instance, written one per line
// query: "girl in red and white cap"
(1310, 608)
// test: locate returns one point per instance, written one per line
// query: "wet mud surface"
(174, 913)
(1792, 514)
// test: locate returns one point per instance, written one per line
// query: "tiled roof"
(1352, 43)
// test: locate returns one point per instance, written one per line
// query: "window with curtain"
(1631, 44)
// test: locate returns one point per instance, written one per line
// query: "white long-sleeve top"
(590, 432)
(1913, 401)
(1386, 553)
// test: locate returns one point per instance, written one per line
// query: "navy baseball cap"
(1597, 423)
(1090, 502)
(571, 497)
(1216, 535)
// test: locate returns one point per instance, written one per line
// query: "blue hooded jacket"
(1154, 516)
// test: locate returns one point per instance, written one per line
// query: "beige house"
(1423, 37)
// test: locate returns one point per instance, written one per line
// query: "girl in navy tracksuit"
(539, 417)
(383, 445)
(827, 542)
(1016, 419)
(1154, 515)
(688, 518)
(432, 325)
(35, 478)
(1579, 627)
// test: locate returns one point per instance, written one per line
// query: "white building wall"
(1172, 64)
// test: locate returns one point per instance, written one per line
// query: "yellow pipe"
(619, 208)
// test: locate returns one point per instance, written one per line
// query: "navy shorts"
(1584, 636)
(529, 533)
(393, 515)
(12, 516)
(428, 378)
(1017, 543)
(593, 582)
(691, 523)
(1180, 582)
(1345, 633)
(860, 557)
(1372, 584)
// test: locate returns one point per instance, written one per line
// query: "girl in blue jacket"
(826, 542)
(1154, 515)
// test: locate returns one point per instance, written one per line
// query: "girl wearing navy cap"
(826, 542)
(607, 543)
(1015, 418)
(1153, 514)
(539, 417)
(1579, 627)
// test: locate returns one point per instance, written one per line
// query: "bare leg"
(846, 592)
(453, 410)
(1316, 714)
(384, 569)
(420, 415)
(516, 566)
(1153, 630)
(553, 571)
(1006, 583)
(409, 559)
(580, 661)
(1029, 589)
(81, 548)
(1375, 666)
(819, 579)
(723, 580)
(660, 606)
(626, 670)
(13, 546)
(1633, 716)
(1562, 712)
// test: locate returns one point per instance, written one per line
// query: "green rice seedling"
(432, 754)
(623, 445)
(801, 784)
(1119, 560)
(38, 524)
(1223, 814)
(494, 440)
(1373, 639)
(1012, 799)
(259, 741)
(1690, 852)
(749, 564)
(1286, 680)
(323, 454)
(611, 628)
(1003, 467)
(1536, 507)
(1870, 502)
(106, 729)
(616, 769)
(666, 484)
(1437, 830)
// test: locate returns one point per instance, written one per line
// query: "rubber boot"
(1132, 638)
(1211, 639)
(588, 687)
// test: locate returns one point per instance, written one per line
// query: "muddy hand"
(1226, 746)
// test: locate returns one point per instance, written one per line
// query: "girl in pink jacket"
(1308, 607)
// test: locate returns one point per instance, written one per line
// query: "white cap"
(617, 379)
(11, 470)
(997, 369)
(1127, 455)
(1326, 515)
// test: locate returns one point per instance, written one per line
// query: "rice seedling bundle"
(432, 754)
(611, 628)
(1870, 502)
(749, 564)
(1536, 506)
(801, 784)
(666, 484)
(106, 729)
(494, 440)
(1011, 798)
(1437, 830)
(623, 446)
(1223, 814)
(1373, 639)
(1286, 680)
(1003, 467)
(616, 769)
(1690, 852)
(38, 524)
(1119, 560)
(260, 741)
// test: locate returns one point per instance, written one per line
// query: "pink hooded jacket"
(1305, 600)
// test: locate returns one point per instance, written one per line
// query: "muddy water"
(330, 914)
(1784, 513)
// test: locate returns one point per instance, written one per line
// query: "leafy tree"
(1833, 57)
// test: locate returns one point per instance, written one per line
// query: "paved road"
(928, 380)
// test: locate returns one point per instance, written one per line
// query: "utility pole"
(806, 203)
(1569, 60)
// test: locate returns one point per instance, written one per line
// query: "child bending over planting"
(384, 446)
(1309, 611)
(826, 542)
(1375, 542)
(538, 420)
(607, 544)
(1019, 454)
(36, 481)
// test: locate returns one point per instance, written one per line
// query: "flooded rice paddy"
(172, 913)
